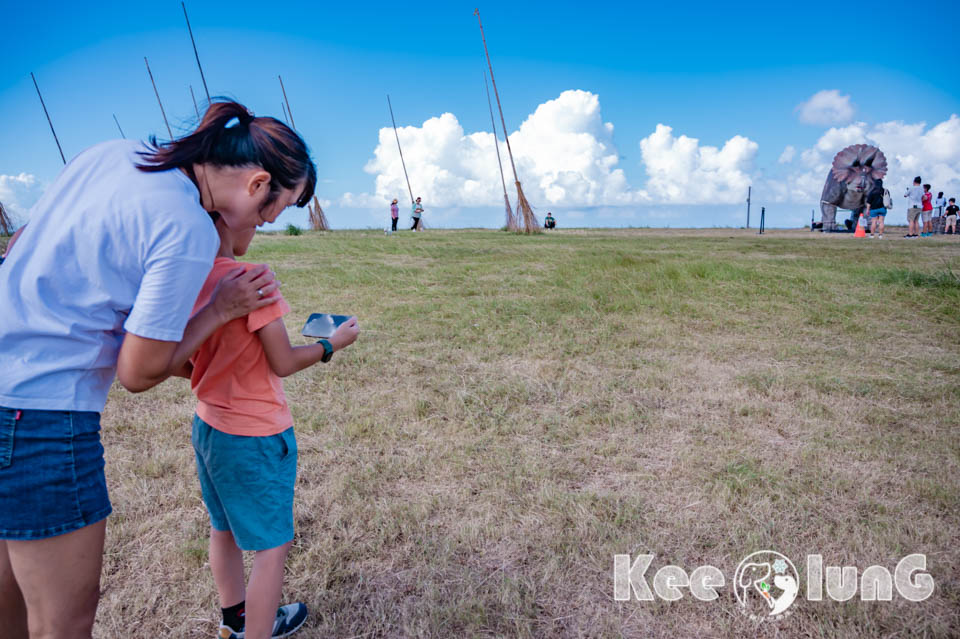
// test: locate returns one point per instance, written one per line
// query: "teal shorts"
(247, 484)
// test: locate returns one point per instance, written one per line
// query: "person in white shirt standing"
(914, 195)
(100, 285)
(939, 205)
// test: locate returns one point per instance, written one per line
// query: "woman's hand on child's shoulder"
(238, 293)
(345, 335)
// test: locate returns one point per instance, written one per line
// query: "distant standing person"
(927, 211)
(939, 205)
(951, 212)
(914, 197)
(394, 214)
(549, 222)
(876, 209)
(417, 212)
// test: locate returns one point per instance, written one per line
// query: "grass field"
(518, 410)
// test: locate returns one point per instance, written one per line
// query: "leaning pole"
(49, 121)
(399, 148)
(530, 224)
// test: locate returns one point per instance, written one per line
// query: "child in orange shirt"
(246, 451)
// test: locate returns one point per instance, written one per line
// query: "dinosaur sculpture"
(853, 172)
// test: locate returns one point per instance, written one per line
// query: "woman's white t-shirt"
(108, 249)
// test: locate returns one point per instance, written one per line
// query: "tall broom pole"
(319, 220)
(289, 112)
(195, 54)
(49, 121)
(118, 126)
(285, 118)
(162, 112)
(497, 95)
(496, 145)
(399, 148)
(523, 206)
(195, 107)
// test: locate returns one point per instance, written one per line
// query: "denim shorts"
(51, 473)
(877, 213)
(247, 484)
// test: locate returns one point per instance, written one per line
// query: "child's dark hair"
(926, 187)
(952, 200)
(229, 135)
(940, 194)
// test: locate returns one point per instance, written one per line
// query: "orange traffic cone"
(860, 232)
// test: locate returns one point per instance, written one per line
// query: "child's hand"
(345, 335)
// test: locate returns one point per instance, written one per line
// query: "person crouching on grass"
(246, 451)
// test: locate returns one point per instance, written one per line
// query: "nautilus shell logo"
(766, 584)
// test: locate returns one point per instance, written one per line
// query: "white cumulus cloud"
(788, 154)
(565, 156)
(681, 171)
(911, 149)
(826, 107)
(564, 152)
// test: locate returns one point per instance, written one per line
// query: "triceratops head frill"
(858, 160)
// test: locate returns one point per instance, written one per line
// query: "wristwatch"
(327, 350)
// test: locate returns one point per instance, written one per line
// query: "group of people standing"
(415, 213)
(922, 208)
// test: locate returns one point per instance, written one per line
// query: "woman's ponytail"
(229, 135)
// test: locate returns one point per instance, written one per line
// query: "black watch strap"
(327, 350)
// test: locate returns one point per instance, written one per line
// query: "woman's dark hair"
(229, 135)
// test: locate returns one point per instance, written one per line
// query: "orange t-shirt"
(237, 390)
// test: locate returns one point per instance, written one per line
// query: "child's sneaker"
(288, 621)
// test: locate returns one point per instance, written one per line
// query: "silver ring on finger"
(259, 293)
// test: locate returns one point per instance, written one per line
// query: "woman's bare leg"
(60, 581)
(13, 612)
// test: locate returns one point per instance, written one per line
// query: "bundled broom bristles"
(530, 223)
(318, 221)
(6, 224)
(510, 218)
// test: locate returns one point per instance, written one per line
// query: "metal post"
(49, 121)
(763, 215)
(749, 188)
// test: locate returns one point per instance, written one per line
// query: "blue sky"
(708, 71)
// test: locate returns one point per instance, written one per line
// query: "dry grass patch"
(520, 409)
